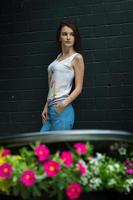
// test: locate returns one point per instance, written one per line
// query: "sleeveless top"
(60, 78)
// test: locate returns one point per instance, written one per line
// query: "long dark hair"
(77, 44)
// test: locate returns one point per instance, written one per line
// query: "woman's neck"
(67, 52)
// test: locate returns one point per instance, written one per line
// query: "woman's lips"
(68, 41)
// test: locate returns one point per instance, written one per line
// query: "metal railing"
(67, 136)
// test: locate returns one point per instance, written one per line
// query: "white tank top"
(60, 78)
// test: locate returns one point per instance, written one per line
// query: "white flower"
(84, 180)
(113, 167)
(96, 182)
(116, 165)
(96, 169)
(127, 187)
(112, 182)
(130, 181)
(100, 156)
(128, 184)
(110, 168)
(122, 151)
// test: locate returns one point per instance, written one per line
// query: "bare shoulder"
(78, 60)
(78, 57)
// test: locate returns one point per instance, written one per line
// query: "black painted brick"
(27, 40)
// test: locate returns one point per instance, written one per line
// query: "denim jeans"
(59, 120)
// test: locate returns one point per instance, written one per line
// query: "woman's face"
(67, 37)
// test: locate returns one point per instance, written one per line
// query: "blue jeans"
(59, 120)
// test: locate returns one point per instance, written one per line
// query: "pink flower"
(42, 152)
(51, 168)
(128, 163)
(6, 152)
(82, 168)
(67, 158)
(5, 171)
(73, 191)
(80, 148)
(130, 171)
(28, 178)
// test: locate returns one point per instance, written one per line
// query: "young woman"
(58, 113)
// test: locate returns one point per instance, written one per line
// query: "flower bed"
(74, 170)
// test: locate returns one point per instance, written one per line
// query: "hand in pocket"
(60, 107)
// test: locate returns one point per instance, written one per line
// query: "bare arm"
(44, 113)
(78, 66)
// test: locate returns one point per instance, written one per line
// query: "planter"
(106, 195)
(96, 195)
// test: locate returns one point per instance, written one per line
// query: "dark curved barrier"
(67, 136)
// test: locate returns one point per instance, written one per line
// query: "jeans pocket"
(56, 110)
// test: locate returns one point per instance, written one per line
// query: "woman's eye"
(72, 34)
(64, 34)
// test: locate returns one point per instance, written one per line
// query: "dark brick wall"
(27, 41)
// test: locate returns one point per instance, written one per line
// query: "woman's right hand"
(44, 114)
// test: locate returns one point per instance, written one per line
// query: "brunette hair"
(77, 44)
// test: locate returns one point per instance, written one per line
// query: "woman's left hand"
(60, 107)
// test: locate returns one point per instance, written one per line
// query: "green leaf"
(14, 179)
(36, 192)
(40, 177)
